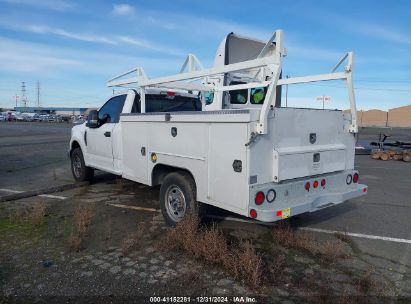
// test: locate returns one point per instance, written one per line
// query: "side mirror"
(92, 119)
(106, 118)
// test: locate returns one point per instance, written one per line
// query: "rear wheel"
(79, 169)
(178, 197)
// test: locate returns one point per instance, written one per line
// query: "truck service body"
(230, 144)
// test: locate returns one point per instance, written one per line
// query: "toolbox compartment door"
(297, 162)
(309, 142)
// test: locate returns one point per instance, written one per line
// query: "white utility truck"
(220, 136)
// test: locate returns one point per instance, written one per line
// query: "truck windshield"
(165, 103)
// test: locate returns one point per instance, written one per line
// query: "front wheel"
(79, 169)
(178, 197)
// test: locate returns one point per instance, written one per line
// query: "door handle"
(107, 134)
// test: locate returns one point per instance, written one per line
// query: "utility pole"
(38, 94)
(23, 94)
(17, 98)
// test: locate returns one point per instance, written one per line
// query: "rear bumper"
(292, 198)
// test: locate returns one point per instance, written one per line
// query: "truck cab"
(99, 139)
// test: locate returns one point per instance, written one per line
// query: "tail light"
(323, 183)
(355, 178)
(315, 184)
(348, 180)
(253, 213)
(307, 186)
(170, 93)
(259, 198)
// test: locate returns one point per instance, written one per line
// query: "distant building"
(395, 117)
(52, 110)
(400, 117)
(372, 118)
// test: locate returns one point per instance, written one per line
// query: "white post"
(351, 95)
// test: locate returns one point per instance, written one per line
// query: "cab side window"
(257, 95)
(112, 108)
(238, 96)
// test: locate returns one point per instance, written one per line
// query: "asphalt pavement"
(34, 155)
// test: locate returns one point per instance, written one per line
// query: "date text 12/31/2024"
(203, 299)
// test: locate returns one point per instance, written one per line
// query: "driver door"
(100, 139)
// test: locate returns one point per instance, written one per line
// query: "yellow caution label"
(286, 213)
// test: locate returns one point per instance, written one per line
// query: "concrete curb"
(31, 193)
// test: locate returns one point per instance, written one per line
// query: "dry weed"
(75, 241)
(248, 264)
(82, 219)
(37, 213)
(343, 236)
(211, 246)
(365, 281)
(19, 216)
(133, 239)
(329, 250)
(32, 215)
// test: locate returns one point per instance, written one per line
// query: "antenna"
(23, 94)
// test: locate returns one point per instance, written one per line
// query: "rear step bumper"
(335, 192)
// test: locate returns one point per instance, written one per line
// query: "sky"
(73, 47)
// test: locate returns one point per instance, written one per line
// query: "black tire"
(175, 184)
(79, 169)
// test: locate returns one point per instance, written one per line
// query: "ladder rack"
(193, 77)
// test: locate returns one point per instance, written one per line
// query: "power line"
(362, 88)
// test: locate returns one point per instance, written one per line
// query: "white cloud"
(383, 33)
(148, 45)
(40, 29)
(18, 56)
(123, 10)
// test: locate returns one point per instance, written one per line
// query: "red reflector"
(259, 198)
(307, 186)
(171, 93)
(315, 184)
(253, 213)
(364, 190)
(355, 178)
(279, 213)
(323, 183)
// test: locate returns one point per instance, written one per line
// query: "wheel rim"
(76, 165)
(175, 203)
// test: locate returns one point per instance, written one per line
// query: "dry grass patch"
(365, 282)
(37, 213)
(82, 219)
(211, 246)
(18, 217)
(329, 250)
(343, 236)
(133, 239)
(33, 215)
